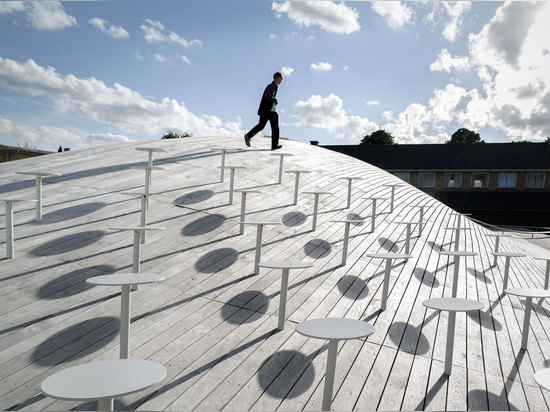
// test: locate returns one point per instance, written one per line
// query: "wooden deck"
(212, 321)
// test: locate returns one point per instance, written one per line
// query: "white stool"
(497, 237)
(103, 381)
(125, 280)
(316, 195)
(373, 213)
(10, 251)
(232, 180)
(459, 217)
(282, 156)
(285, 265)
(542, 377)
(347, 223)
(148, 173)
(150, 151)
(222, 167)
(389, 257)
(452, 305)
(350, 179)
(297, 182)
(457, 230)
(457, 255)
(392, 195)
(333, 329)
(260, 227)
(421, 218)
(408, 234)
(136, 259)
(507, 256)
(244, 192)
(529, 294)
(38, 187)
(547, 272)
(144, 202)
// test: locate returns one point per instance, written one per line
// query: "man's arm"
(270, 92)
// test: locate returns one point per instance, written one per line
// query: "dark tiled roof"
(503, 156)
(495, 200)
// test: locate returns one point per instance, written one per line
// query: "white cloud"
(455, 9)
(49, 15)
(99, 139)
(185, 59)
(445, 62)
(321, 67)
(328, 113)
(372, 102)
(345, 68)
(160, 58)
(11, 6)
(116, 32)
(330, 16)
(154, 33)
(287, 71)
(117, 105)
(395, 13)
(388, 115)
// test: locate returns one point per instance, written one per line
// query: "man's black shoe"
(247, 140)
(278, 147)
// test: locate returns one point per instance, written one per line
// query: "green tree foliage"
(172, 135)
(378, 137)
(465, 136)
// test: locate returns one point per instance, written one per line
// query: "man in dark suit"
(268, 111)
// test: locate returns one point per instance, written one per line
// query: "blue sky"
(85, 73)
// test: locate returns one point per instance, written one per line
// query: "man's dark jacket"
(268, 99)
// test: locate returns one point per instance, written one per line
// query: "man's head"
(277, 78)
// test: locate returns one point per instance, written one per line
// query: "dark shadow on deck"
(286, 374)
(72, 212)
(68, 243)
(203, 225)
(426, 277)
(71, 283)
(353, 287)
(388, 244)
(194, 197)
(216, 260)
(317, 248)
(294, 219)
(253, 301)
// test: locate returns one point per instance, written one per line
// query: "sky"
(85, 73)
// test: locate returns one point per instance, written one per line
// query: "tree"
(378, 137)
(465, 136)
(171, 135)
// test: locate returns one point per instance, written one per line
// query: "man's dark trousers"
(273, 118)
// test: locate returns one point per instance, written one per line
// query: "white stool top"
(509, 254)
(143, 194)
(528, 292)
(222, 149)
(542, 377)
(281, 154)
(389, 255)
(317, 192)
(103, 379)
(375, 198)
(351, 178)
(250, 222)
(393, 184)
(137, 228)
(462, 214)
(335, 328)
(408, 223)
(457, 253)
(232, 167)
(18, 200)
(541, 257)
(297, 171)
(497, 234)
(453, 304)
(458, 228)
(247, 191)
(424, 206)
(150, 149)
(147, 168)
(38, 173)
(121, 279)
(285, 264)
(347, 221)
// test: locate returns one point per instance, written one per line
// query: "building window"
(480, 180)
(535, 180)
(426, 179)
(507, 180)
(453, 180)
(406, 176)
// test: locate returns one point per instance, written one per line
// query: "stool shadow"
(480, 275)
(353, 287)
(72, 283)
(426, 277)
(72, 212)
(418, 344)
(286, 374)
(388, 244)
(294, 219)
(435, 246)
(317, 248)
(252, 303)
(355, 216)
(203, 225)
(76, 341)
(194, 197)
(216, 260)
(485, 319)
(68, 243)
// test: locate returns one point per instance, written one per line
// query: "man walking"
(268, 111)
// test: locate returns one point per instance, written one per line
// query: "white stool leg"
(392, 198)
(547, 276)
(455, 278)
(296, 185)
(497, 242)
(506, 271)
(38, 198)
(373, 217)
(421, 224)
(349, 194)
(386, 285)
(457, 238)
(150, 164)
(315, 208)
(231, 185)
(106, 404)
(243, 209)
(282, 301)
(147, 184)
(223, 166)
(281, 169)
(9, 229)
(136, 255)
(258, 249)
(125, 322)
(345, 248)
(526, 320)
(450, 343)
(408, 240)
(329, 377)
(143, 220)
